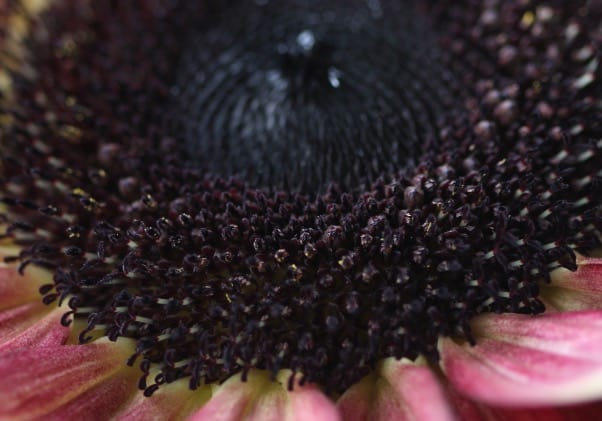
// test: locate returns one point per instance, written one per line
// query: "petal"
(31, 325)
(17, 289)
(101, 401)
(171, 402)
(520, 360)
(473, 411)
(574, 291)
(66, 381)
(397, 390)
(262, 399)
(568, 413)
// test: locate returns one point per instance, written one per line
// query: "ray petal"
(468, 410)
(31, 325)
(399, 390)
(17, 289)
(261, 399)
(171, 402)
(66, 380)
(574, 291)
(520, 360)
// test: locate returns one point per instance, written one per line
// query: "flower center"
(303, 94)
(128, 116)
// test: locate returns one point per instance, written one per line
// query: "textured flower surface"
(291, 210)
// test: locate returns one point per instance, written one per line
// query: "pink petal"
(100, 402)
(571, 413)
(398, 390)
(66, 381)
(16, 289)
(574, 291)
(520, 360)
(308, 402)
(31, 325)
(473, 411)
(261, 399)
(171, 402)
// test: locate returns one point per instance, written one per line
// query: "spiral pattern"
(303, 94)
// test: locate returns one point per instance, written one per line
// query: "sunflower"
(300, 209)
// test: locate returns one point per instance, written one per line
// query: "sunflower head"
(305, 187)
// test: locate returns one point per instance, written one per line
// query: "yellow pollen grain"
(78, 192)
(527, 19)
(70, 133)
(70, 101)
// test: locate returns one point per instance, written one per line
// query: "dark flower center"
(300, 95)
(292, 185)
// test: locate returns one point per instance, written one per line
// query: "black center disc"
(303, 94)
